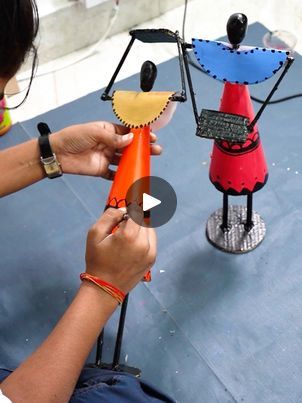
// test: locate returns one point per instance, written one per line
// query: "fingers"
(112, 127)
(128, 230)
(114, 136)
(109, 174)
(130, 227)
(116, 141)
(143, 238)
(119, 129)
(105, 224)
(153, 137)
(153, 245)
(122, 130)
(125, 135)
(156, 149)
(116, 159)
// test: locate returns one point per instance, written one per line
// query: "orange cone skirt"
(134, 165)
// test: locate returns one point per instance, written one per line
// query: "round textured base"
(236, 239)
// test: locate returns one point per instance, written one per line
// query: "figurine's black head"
(236, 28)
(148, 75)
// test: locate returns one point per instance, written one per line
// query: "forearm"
(50, 373)
(20, 166)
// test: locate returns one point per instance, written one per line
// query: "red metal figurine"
(238, 166)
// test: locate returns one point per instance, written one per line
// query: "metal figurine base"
(236, 239)
(119, 368)
(115, 365)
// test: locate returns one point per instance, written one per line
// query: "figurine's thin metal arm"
(183, 96)
(251, 126)
(189, 79)
(105, 96)
(180, 96)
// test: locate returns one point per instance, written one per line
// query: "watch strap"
(49, 160)
(45, 148)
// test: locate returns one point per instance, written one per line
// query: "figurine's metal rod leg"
(99, 349)
(225, 209)
(120, 332)
(100, 341)
(249, 212)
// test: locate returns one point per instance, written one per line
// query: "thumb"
(105, 224)
(122, 140)
(114, 140)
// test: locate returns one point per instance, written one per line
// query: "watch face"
(52, 168)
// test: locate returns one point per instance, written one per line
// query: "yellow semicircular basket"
(139, 109)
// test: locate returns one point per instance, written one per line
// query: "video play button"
(149, 202)
(156, 198)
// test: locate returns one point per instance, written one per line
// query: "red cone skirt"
(238, 169)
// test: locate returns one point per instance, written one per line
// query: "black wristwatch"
(49, 160)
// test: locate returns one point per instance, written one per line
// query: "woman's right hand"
(121, 258)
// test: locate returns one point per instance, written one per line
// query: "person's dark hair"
(19, 26)
(18, 29)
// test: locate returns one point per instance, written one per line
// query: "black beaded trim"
(243, 192)
(238, 53)
(114, 203)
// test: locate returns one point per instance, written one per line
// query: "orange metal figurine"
(142, 112)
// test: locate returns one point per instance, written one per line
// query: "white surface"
(67, 26)
(92, 3)
(94, 73)
(149, 202)
(4, 399)
(47, 7)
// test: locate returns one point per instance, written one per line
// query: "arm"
(45, 378)
(22, 167)
(87, 149)
(51, 372)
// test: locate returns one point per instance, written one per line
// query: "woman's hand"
(121, 258)
(89, 149)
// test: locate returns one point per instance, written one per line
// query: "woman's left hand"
(89, 149)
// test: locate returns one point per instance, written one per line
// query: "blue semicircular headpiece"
(245, 65)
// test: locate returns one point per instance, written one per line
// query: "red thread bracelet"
(107, 287)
